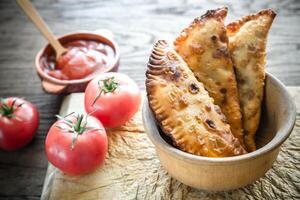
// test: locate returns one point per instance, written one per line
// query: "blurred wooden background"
(136, 25)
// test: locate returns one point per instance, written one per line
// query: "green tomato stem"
(8, 111)
(76, 128)
(108, 85)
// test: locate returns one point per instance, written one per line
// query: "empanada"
(204, 47)
(184, 109)
(247, 44)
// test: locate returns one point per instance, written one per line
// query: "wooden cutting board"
(133, 171)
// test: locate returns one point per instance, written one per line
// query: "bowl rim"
(96, 33)
(282, 134)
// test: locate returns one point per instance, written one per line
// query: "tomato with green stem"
(113, 98)
(19, 121)
(76, 144)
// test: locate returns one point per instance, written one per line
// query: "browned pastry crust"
(184, 109)
(204, 47)
(247, 44)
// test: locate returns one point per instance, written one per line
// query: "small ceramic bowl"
(57, 86)
(221, 174)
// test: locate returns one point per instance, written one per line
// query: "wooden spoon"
(32, 13)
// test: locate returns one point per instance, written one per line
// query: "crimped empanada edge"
(219, 14)
(154, 66)
(235, 26)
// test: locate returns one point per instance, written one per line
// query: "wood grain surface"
(132, 169)
(136, 24)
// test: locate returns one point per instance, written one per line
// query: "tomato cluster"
(76, 143)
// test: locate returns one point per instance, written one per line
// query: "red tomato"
(76, 145)
(119, 100)
(19, 120)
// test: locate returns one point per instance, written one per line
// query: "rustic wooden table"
(136, 25)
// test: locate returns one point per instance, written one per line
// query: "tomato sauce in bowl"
(83, 58)
(90, 54)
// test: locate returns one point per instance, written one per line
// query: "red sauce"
(83, 58)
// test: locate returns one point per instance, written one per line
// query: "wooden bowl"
(221, 174)
(57, 86)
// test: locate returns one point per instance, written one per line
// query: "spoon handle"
(32, 13)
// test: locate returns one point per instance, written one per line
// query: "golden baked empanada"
(247, 44)
(204, 47)
(184, 109)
